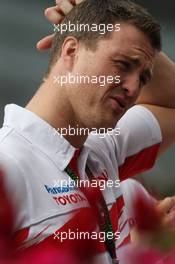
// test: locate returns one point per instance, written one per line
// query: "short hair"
(105, 12)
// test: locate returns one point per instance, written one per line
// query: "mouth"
(118, 103)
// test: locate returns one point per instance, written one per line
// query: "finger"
(54, 15)
(166, 205)
(169, 219)
(73, 2)
(45, 43)
(78, 1)
(65, 6)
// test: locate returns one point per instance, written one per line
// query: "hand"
(167, 208)
(152, 216)
(55, 15)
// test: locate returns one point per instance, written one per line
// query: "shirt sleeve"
(130, 189)
(138, 143)
(135, 148)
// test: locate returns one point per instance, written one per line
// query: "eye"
(125, 65)
(143, 80)
(145, 77)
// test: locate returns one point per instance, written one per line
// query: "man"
(33, 156)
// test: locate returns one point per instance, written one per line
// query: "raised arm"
(159, 98)
(161, 90)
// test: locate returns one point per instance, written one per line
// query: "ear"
(69, 52)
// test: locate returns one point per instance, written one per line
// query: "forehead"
(129, 41)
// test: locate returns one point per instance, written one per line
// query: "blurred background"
(22, 24)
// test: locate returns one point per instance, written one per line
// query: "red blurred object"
(6, 223)
(155, 243)
(82, 251)
(146, 215)
(147, 255)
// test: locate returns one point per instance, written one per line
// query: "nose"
(131, 86)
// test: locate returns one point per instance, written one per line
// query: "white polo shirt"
(34, 157)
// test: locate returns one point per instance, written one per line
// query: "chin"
(104, 121)
(107, 124)
(111, 122)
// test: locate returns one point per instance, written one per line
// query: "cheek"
(80, 96)
(137, 96)
(93, 66)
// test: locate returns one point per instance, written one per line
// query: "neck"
(50, 103)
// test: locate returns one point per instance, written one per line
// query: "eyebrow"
(136, 62)
(148, 72)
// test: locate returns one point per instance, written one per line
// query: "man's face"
(127, 54)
